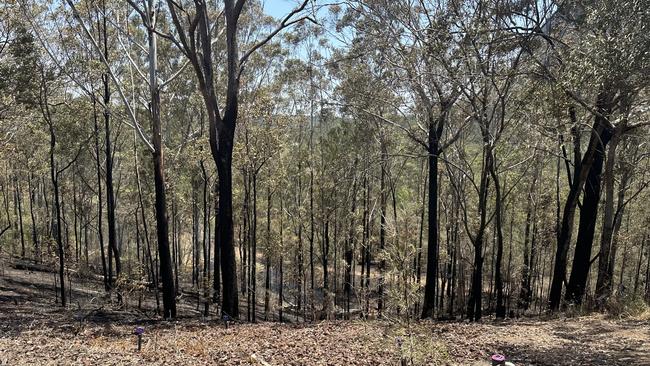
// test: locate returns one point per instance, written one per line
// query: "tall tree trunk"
(57, 206)
(173, 244)
(647, 279)
(75, 213)
(474, 303)
(588, 215)
(526, 271)
(428, 306)
(37, 251)
(281, 284)
(365, 234)
(500, 308)
(253, 257)
(638, 265)
(423, 208)
(145, 226)
(382, 220)
(267, 280)
(205, 244)
(611, 216)
(581, 170)
(100, 204)
(217, 249)
(230, 295)
(606, 276)
(349, 244)
(162, 223)
(110, 195)
(20, 217)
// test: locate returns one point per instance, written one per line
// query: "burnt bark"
(100, 197)
(428, 306)
(576, 286)
(579, 178)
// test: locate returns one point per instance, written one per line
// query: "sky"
(279, 8)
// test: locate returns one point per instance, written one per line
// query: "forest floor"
(35, 331)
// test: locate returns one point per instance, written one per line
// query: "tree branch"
(284, 24)
(118, 86)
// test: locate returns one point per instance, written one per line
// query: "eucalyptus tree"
(149, 16)
(490, 61)
(628, 67)
(611, 35)
(417, 44)
(261, 142)
(198, 28)
(57, 118)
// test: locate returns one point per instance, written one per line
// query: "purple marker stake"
(498, 359)
(139, 331)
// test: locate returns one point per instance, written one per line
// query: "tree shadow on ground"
(575, 354)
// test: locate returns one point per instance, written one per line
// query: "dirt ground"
(35, 331)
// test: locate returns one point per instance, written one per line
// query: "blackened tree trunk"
(253, 256)
(365, 232)
(611, 225)
(500, 308)
(423, 208)
(311, 204)
(54, 176)
(196, 40)
(100, 197)
(281, 260)
(349, 245)
(145, 226)
(75, 214)
(638, 265)
(162, 230)
(612, 217)
(19, 201)
(325, 256)
(37, 251)
(455, 252)
(230, 295)
(110, 195)
(206, 245)
(432, 238)
(647, 279)
(267, 280)
(174, 243)
(217, 250)
(579, 177)
(162, 223)
(5, 196)
(382, 219)
(434, 149)
(576, 286)
(525, 293)
(474, 303)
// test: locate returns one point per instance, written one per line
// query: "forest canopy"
(448, 159)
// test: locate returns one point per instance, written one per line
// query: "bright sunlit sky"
(279, 8)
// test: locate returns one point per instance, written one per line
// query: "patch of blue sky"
(318, 10)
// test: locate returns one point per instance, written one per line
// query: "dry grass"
(34, 331)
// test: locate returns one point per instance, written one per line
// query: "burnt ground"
(34, 330)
